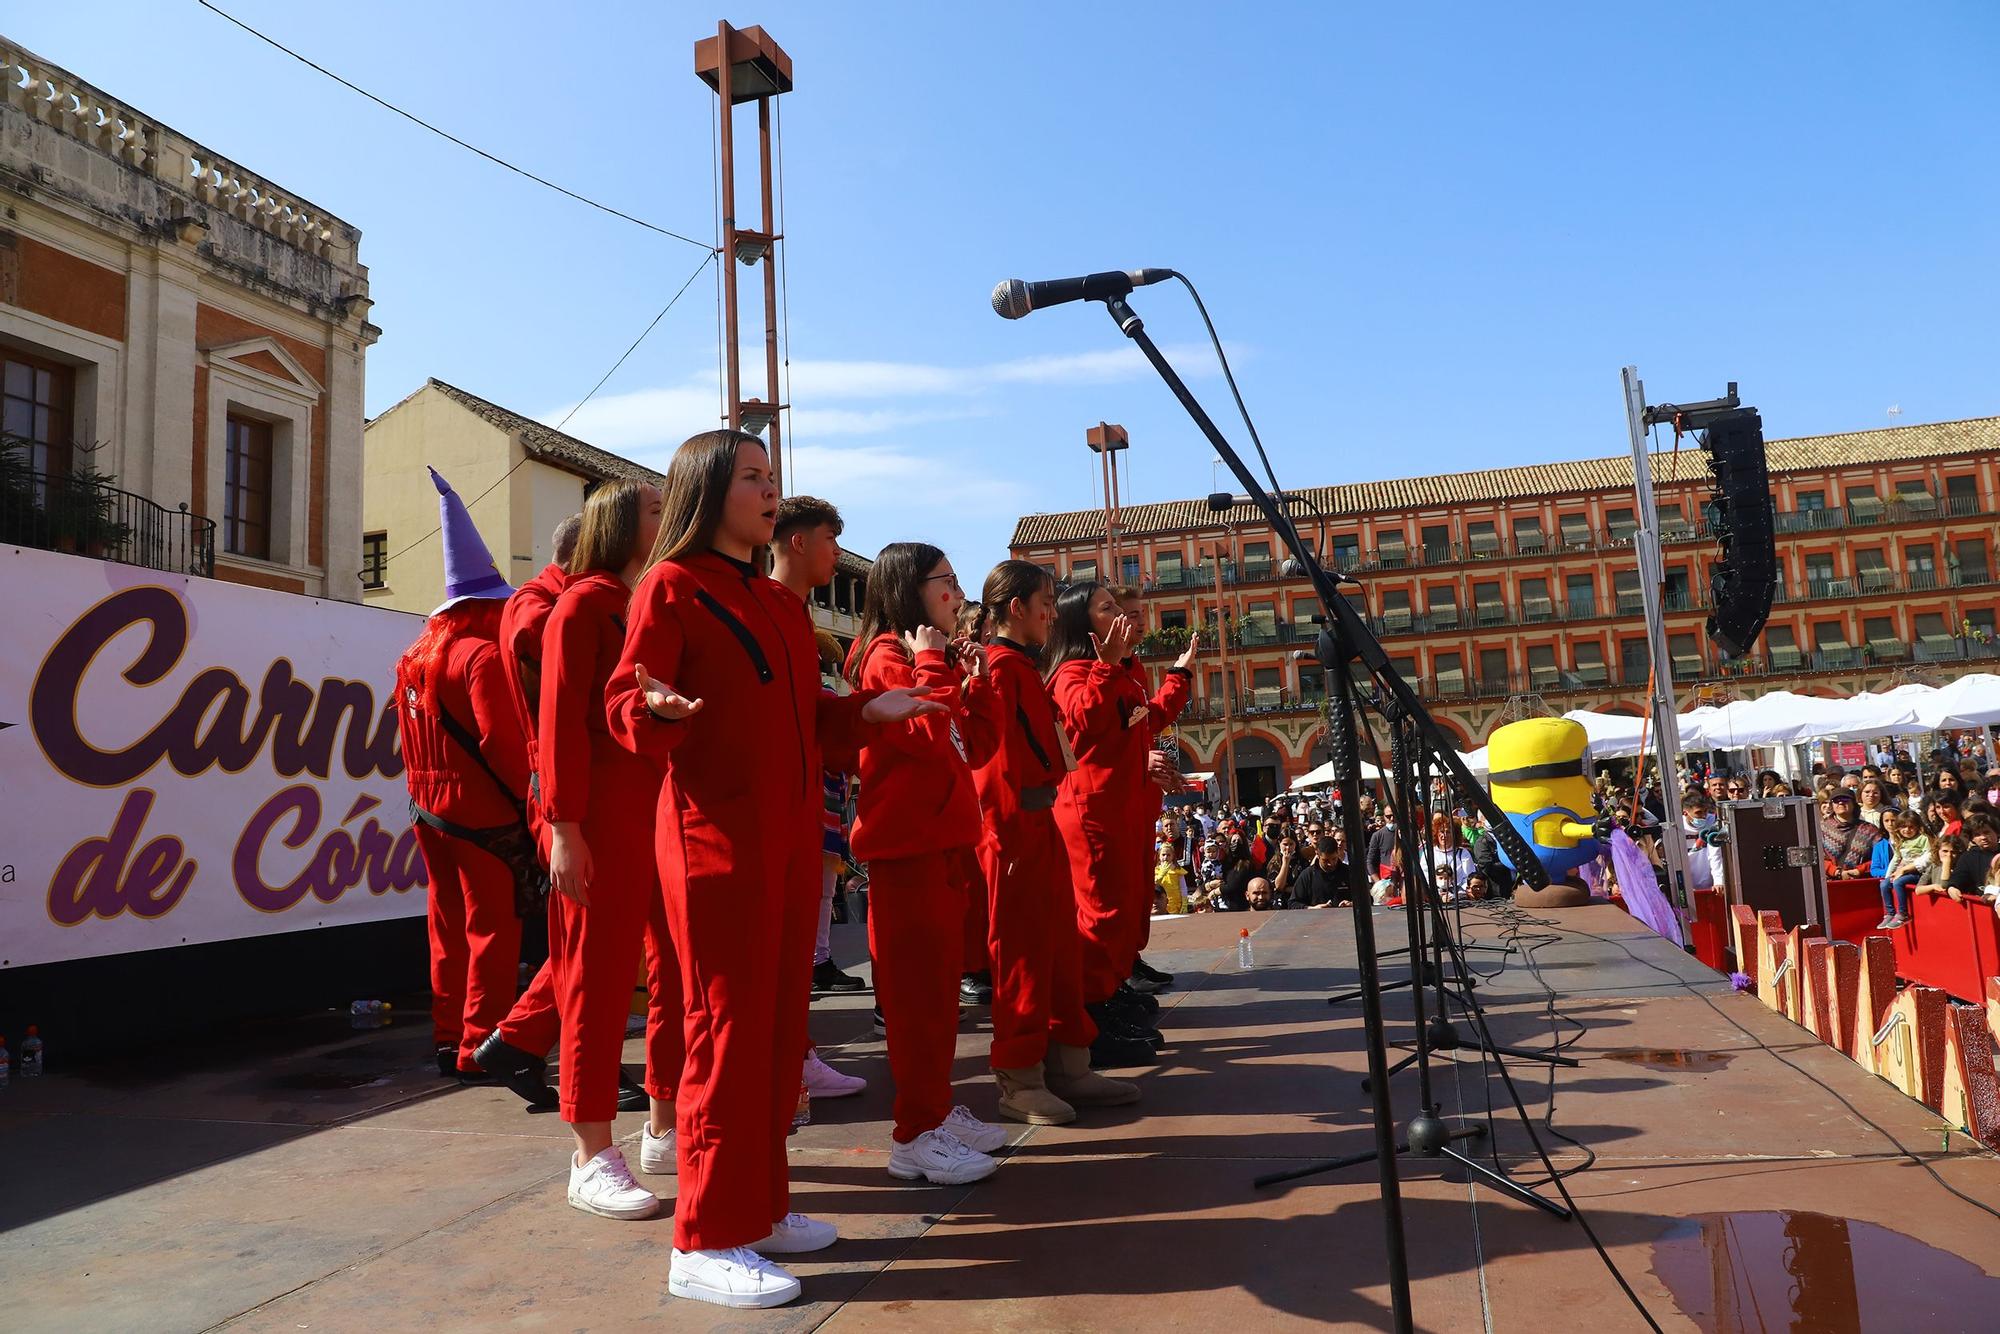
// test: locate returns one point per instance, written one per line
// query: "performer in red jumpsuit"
(1162, 710)
(719, 687)
(598, 800)
(916, 824)
(1041, 1034)
(452, 680)
(517, 1050)
(1104, 714)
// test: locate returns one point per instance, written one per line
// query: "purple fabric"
(469, 568)
(1641, 889)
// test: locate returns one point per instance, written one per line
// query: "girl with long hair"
(1162, 710)
(975, 983)
(1107, 717)
(597, 799)
(453, 672)
(1041, 1033)
(719, 687)
(916, 824)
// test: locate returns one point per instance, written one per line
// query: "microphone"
(1013, 298)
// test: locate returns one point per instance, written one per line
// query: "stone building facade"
(1516, 589)
(193, 330)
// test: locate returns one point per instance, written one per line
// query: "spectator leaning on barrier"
(1969, 868)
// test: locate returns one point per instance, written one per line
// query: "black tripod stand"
(1345, 641)
(1427, 1136)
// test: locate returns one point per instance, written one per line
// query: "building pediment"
(265, 360)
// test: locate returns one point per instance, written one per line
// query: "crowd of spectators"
(1938, 833)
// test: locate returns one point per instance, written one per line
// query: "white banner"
(186, 760)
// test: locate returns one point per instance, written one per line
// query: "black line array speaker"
(1746, 577)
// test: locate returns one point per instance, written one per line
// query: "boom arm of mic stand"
(1351, 631)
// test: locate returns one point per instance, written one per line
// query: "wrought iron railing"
(87, 517)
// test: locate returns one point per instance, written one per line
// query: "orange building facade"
(1500, 592)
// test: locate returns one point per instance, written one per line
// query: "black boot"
(522, 1071)
(1140, 1000)
(975, 989)
(828, 978)
(1113, 1052)
(1144, 969)
(447, 1059)
(1120, 1024)
(632, 1097)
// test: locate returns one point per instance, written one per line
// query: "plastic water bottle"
(6, 1062)
(1243, 959)
(369, 1013)
(31, 1053)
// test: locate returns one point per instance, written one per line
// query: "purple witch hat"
(469, 568)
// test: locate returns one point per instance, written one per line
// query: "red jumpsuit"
(1037, 992)
(738, 844)
(1107, 716)
(475, 936)
(1161, 712)
(916, 824)
(588, 778)
(532, 1024)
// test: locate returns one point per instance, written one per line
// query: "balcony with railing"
(1489, 548)
(84, 516)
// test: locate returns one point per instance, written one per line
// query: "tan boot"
(1070, 1078)
(1024, 1097)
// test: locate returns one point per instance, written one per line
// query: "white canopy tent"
(1323, 775)
(1784, 718)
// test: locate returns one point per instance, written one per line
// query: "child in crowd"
(1171, 881)
(1907, 864)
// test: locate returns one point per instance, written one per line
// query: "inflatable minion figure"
(1536, 777)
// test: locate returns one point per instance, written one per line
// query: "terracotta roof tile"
(547, 443)
(1535, 481)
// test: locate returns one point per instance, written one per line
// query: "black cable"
(1477, 1015)
(1230, 376)
(706, 261)
(446, 134)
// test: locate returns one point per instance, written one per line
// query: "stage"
(302, 1176)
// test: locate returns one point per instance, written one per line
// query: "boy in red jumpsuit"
(719, 687)
(466, 764)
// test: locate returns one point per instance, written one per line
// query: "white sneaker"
(604, 1186)
(736, 1277)
(941, 1158)
(974, 1133)
(823, 1081)
(658, 1157)
(795, 1234)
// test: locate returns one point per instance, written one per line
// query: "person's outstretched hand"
(895, 706)
(663, 700)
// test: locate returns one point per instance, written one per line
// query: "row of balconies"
(1500, 547)
(1453, 686)
(1247, 632)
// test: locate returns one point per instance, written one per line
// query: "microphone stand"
(1343, 641)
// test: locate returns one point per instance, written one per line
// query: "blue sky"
(1430, 234)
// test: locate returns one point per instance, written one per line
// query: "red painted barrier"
(1954, 947)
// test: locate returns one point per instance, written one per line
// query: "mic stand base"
(1428, 1139)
